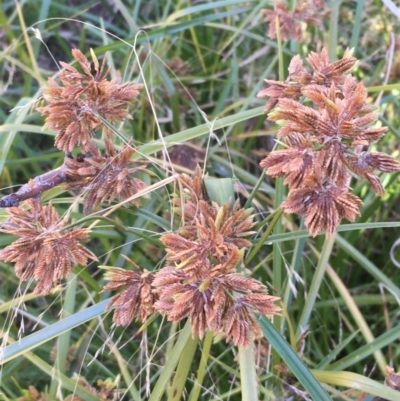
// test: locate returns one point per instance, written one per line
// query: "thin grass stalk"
(255, 189)
(32, 58)
(333, 30)
(197, 47)
(354, 380)
(355, 35)
(367, 265)
(42, 336)
(191, 133)
(63, 342)
(294, 267)
(183, 370)
(315, 284)
(125, 373)
(387, 338)
(65, 381)
(44, 12)
(278, 199)
(260, 242)
(248, 374)
(357, 316)
(207, 342)
(173, 359)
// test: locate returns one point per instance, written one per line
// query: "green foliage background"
(341, 296)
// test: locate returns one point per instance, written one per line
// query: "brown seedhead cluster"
(290, 22)
(44, 250)
(325, 120)
(105, 177)
(136, 300)
(200, 279)
(76, 108)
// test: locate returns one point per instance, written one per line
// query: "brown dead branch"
(36, 186)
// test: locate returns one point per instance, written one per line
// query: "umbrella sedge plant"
(132, 228)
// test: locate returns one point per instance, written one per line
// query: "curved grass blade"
(40, 337)
(7, 137)
(359, 382)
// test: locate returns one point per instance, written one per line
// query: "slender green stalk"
(63, 342)
(205, 353)
(294, 267)
(170, 364)
(357, 24)
(293, 361)
(276, 216)
(315, 284)
(357, 316)
(182, 372)
(248, 374)
(333, 30)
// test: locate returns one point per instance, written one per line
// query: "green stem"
(194, 396)
(254, 251)
(63, 343)
(315, 284)
(248, 374)
(182, 371)
(172, 361)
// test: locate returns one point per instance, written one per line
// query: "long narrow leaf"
(295, 364)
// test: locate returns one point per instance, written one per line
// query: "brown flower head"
(44, 251)
(200, 280)
(33, 395)
(392, 380)
(105, 177)
(213, 231)
(105, 390)
(75, 107)
(213, 300)
(136, 300)
(309, 11)
(324, 74)
(322, 139)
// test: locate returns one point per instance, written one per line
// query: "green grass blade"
(7, 134)
(387, 338)
(359, 382)
(191, 133)
(183, 370)
(315, 285)
(206, 346)
(368, 266)
(40, 337)
(170, 364)
(293, 361)
(65, 381)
